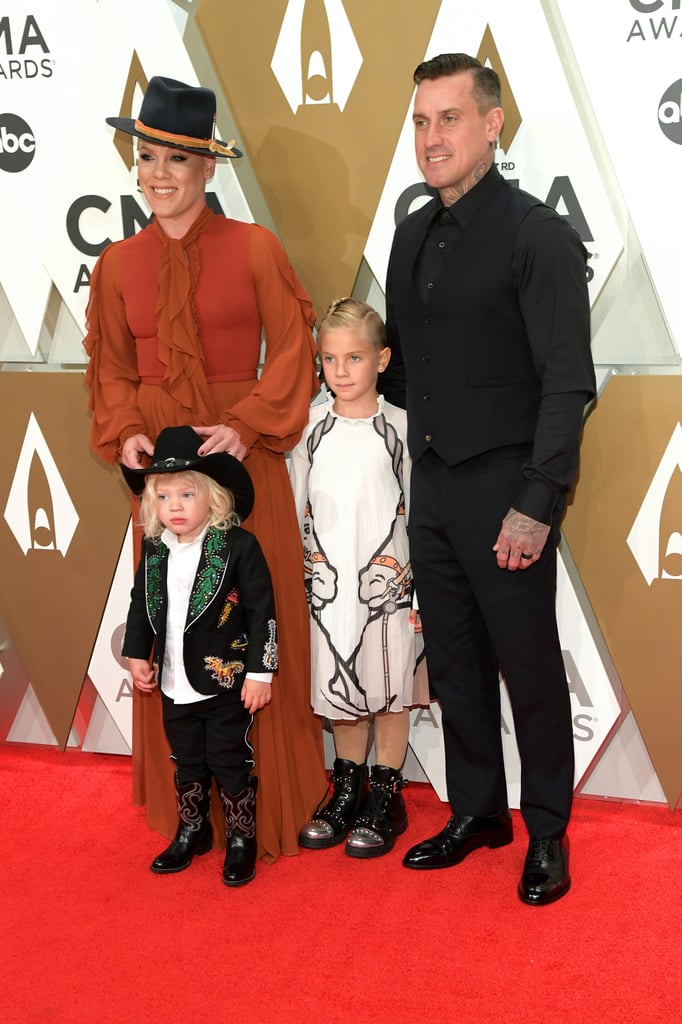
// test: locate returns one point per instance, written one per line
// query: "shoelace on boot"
(342, 796)
(377, 803)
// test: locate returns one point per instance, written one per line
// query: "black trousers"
(210, 738)
(479, 620)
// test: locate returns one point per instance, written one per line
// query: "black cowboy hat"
(176, 452)
(177, 115)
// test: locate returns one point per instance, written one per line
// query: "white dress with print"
(350, 478)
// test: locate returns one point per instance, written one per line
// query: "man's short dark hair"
(486, 89)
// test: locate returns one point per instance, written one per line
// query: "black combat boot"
(384, 817)
(331, 821)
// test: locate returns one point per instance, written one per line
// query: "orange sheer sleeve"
(111, 375)
(276, 410)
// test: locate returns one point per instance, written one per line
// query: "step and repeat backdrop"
(318, 94)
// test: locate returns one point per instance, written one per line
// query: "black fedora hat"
(175, 451)
(177, 115)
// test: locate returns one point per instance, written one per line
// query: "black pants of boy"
(210, 738)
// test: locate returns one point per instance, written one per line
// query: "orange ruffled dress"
(174, 337)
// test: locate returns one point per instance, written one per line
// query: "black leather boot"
(193, 836)
(383, 819)
(240, 834)
(331, 821)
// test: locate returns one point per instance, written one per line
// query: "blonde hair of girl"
(347, 312)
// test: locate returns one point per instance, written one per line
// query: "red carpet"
(91, 936)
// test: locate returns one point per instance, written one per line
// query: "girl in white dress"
(350, 472)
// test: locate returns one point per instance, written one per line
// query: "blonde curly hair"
(220, 501)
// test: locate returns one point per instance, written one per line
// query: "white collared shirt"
(183, 562)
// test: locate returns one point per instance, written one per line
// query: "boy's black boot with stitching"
(194, 835)
(240, 834)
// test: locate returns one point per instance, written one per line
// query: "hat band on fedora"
(187, 141)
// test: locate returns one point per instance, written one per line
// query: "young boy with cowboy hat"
(202, 601)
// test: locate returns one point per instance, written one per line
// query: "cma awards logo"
(23, 41)
(653, 539)
(39, 511)
(670, 112)
(329, 57)
(662, 26)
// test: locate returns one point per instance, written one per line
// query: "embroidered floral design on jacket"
(153, 568)
(270, 656)
(209, 575)
(223, 671)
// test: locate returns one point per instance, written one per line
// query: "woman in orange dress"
(175, 320)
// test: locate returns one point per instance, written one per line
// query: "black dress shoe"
(545, 875)
(461, 835)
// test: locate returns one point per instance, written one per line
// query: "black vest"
(471, 383)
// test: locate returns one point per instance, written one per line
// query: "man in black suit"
(488, 321)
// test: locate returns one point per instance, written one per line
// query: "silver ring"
(524, 555)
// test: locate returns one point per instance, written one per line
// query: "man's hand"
(520, 542)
